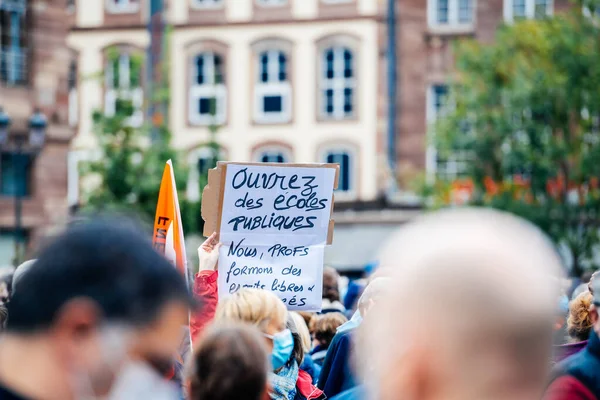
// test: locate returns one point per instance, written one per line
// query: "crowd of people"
(465, 304)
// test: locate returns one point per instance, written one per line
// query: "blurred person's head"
(267, 312)
(593, 278)
(375, 289)
(3, 317)
(331, 289)
(469, 315)
(309, 318)
(20, 271)
(86, 306)
(579, 322)
(595, 309)
(303, 332)
(298, 344)
(6, 279)
(326, 326)
(230, 361)
(586, 275)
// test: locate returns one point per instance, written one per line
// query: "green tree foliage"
(127, 171)
(527, 108)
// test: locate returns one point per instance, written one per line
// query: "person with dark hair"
(230, 361)
(331, 291)
(97, 296)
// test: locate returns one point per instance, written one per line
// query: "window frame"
(339, 83)
(453, 22)
(352, 44)
(73, 93)
(125, 91)
(530, 6)
(457, 157)
(16, 53)
(207, 4)
(132, 7)
(193, 192)
(218, 91)
(260, 151)
(283, 89)
(28, 169)
(267, 4)
(353, 158)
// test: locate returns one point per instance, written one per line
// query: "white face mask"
(138, 380)
(114, 342)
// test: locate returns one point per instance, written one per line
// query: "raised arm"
(205, 285)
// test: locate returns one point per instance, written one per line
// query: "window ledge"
(209, 7)
(132, 9)
(345, 196)
(331, 120)
(451, 30)
(277, 5)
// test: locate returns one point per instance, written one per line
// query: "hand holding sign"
(208, 253)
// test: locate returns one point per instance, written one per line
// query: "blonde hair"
(579, 323)
(302, 331)
(254, 306)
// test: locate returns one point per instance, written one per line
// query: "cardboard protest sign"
(167, 237)
(274, 221)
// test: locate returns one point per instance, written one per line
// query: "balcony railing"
(13, 66)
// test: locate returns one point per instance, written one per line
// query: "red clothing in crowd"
(568, 388)
(205, 289)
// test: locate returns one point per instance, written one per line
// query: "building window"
(13, 42)
(201, 160)
(272, 157)
(273, 154)
(207, 3)
(271, 3)
(451, 166)
(515, 9)
(122, 6)
(344, 158)
(123, 83)
(208, 95)
(450, 12)
(337, 83)
(272, 93)
(15, 174)
(73, 96)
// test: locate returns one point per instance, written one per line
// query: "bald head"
(470, 312)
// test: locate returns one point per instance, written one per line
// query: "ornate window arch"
(273, 152)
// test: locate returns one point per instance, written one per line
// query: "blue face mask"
(283, 345)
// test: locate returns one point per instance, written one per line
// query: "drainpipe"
(154, 58)
(391, 86)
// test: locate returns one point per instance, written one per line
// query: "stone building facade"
(426, 30)
(294, 80)
(35, 74)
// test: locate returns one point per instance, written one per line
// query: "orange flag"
(168, 229)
